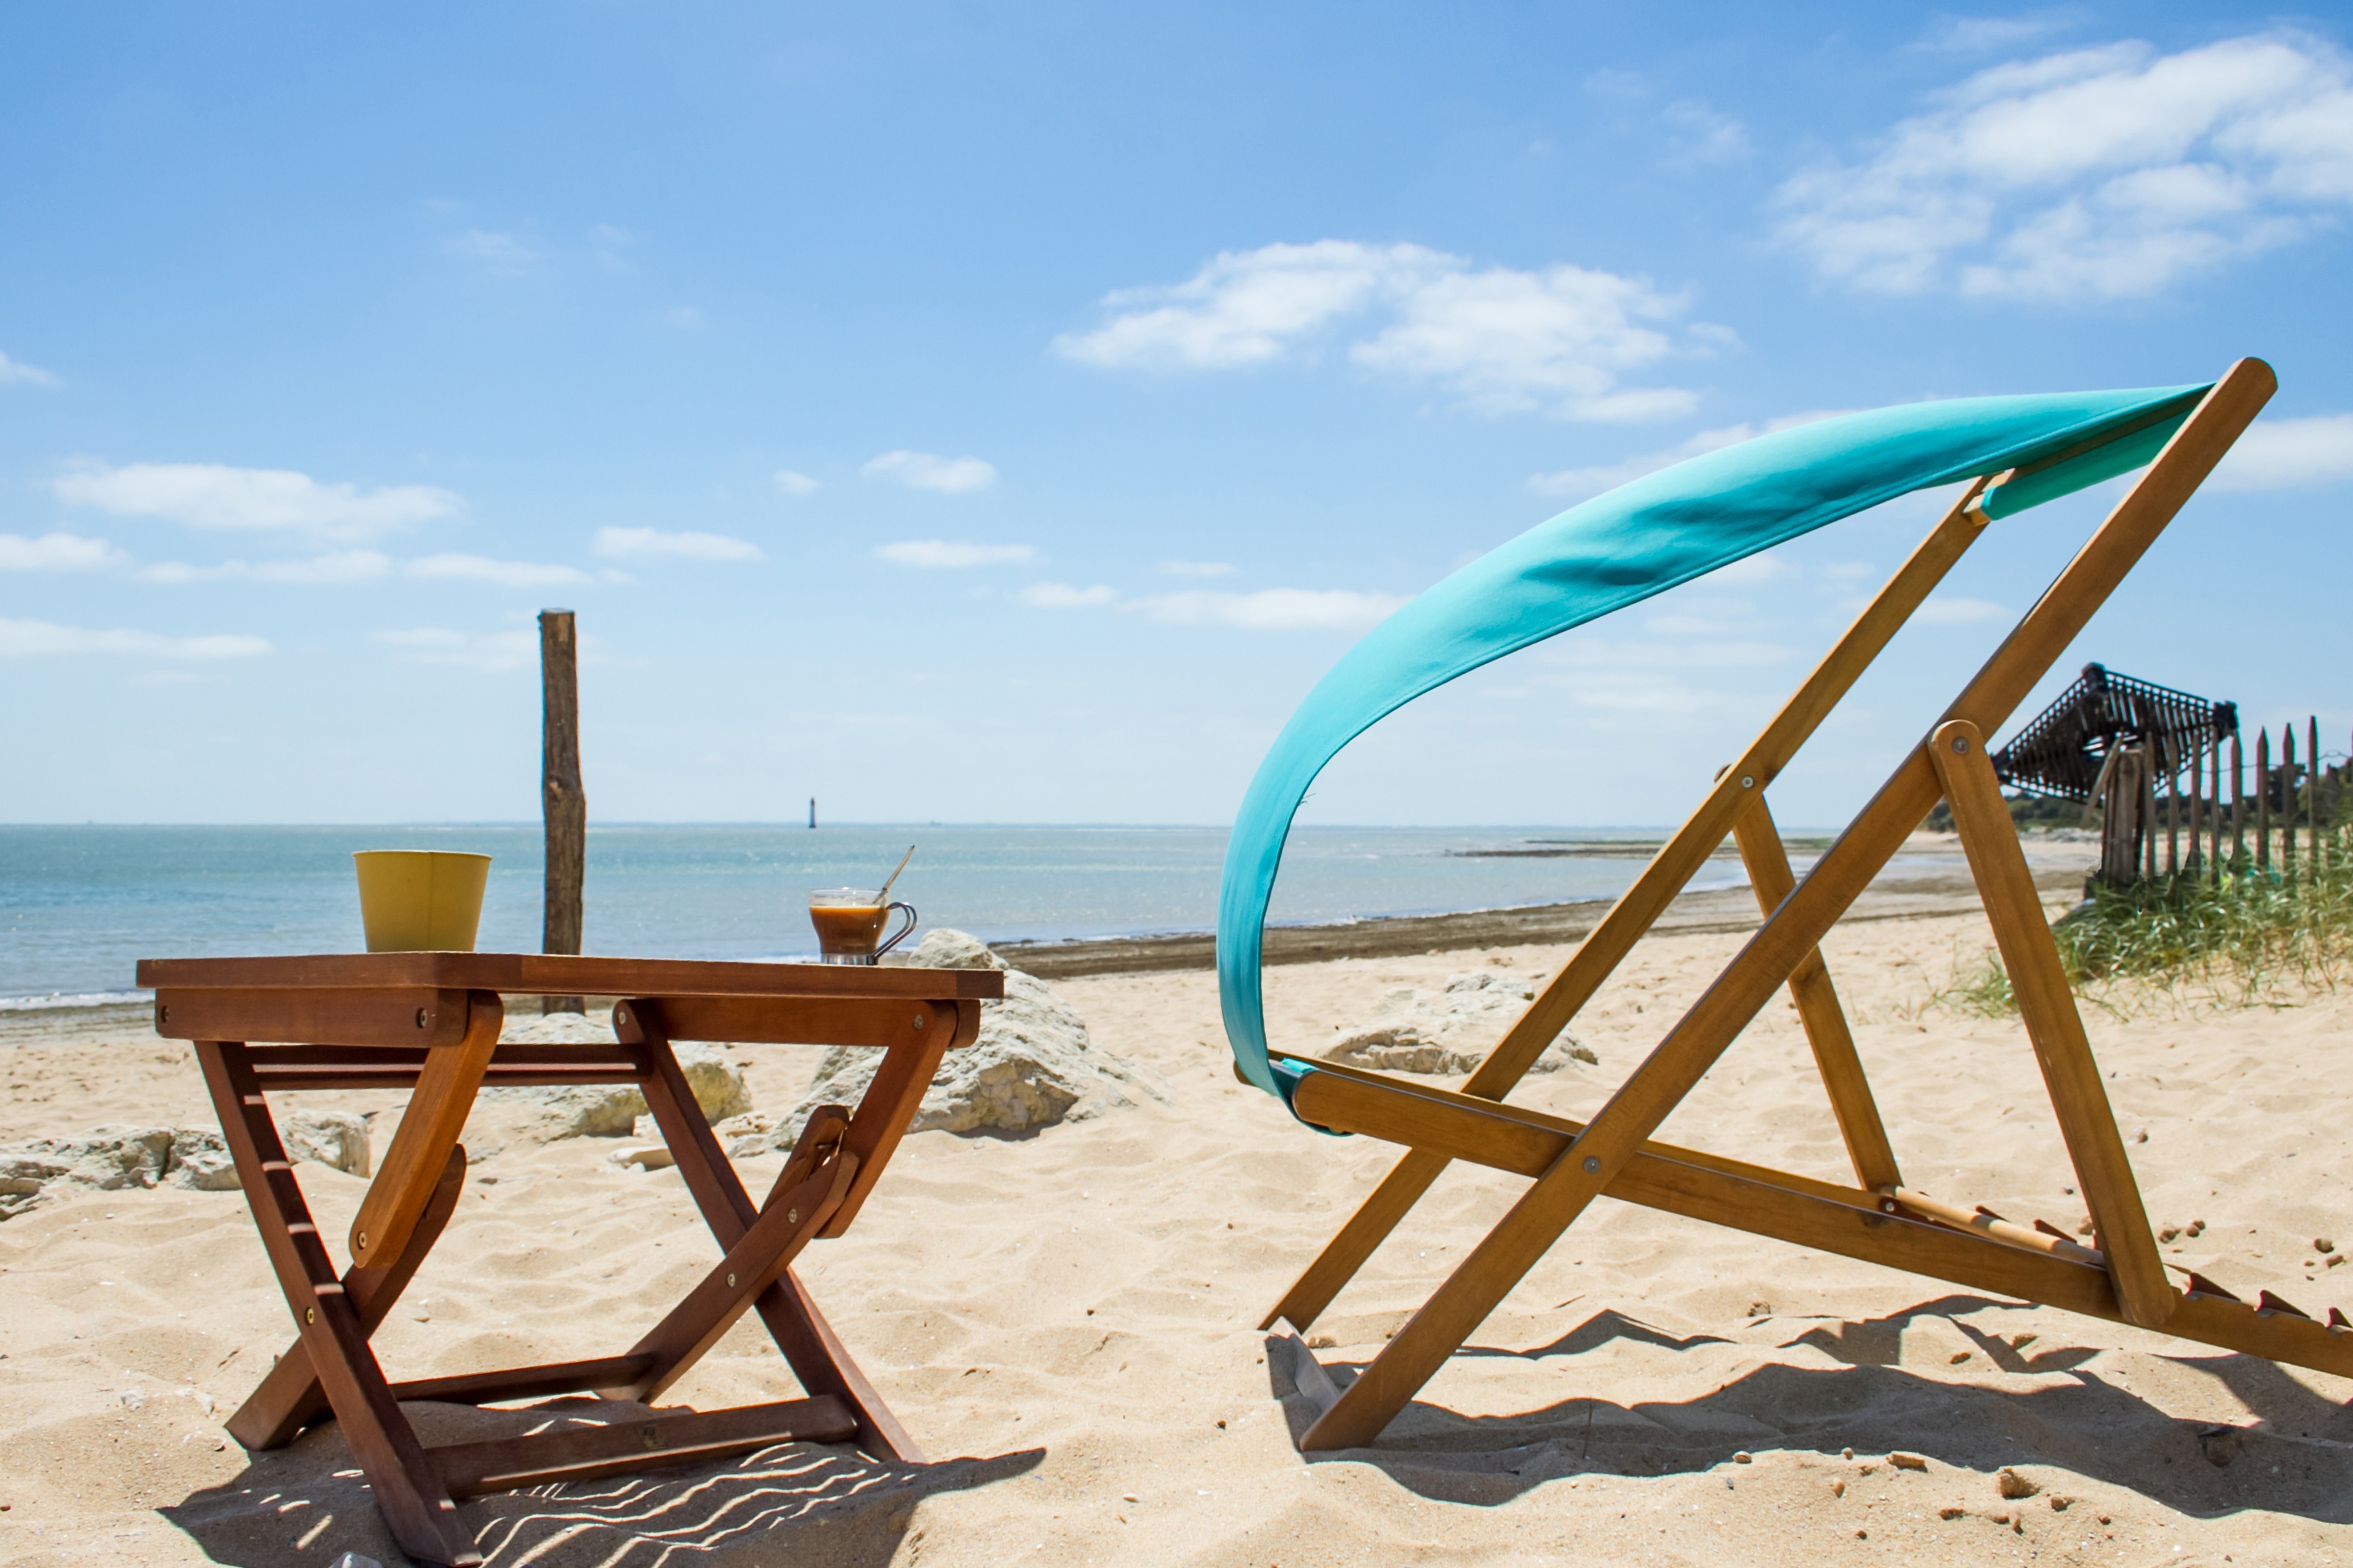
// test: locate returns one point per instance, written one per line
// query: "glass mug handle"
(901, 934)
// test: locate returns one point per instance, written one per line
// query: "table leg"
(429, 1129)
(408, 1489)
(290, 1397)
(820, 1360)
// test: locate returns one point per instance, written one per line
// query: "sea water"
(80, 906)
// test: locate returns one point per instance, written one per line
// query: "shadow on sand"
(797, 1502)
(2296, 1458)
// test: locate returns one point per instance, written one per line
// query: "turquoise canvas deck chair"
(1668, 528)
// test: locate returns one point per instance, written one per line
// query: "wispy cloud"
(503, 254)
(1064, 596)
(335, 569)
(1979, 35)
(1194, 569)
(927, 471)
(953, 552)
(56, 552)
(1955, 610)
(1502, 339)
(1698, 132)
(16, 373)
(2288, 454)
(792, 484)
(1269, 609)
(1578, 483)
(213, 495)
(687, 546)
(35, 640)
(502, 573)
(2096, 173)
(491, 652)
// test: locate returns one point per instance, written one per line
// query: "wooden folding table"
(430, 1021)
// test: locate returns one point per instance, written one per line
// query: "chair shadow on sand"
(308, 1503)
(2296, 1457)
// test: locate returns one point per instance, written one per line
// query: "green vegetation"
(2247, 931)
(2025, 810)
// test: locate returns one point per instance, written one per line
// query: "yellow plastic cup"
(420, 901)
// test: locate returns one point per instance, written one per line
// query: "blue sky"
(1007, 413)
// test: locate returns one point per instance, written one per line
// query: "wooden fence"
(2196, 797)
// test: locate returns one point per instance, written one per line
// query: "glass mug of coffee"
(849, 922)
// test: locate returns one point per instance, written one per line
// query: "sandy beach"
(1067, 1320)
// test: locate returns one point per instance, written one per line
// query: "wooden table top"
(557, 974)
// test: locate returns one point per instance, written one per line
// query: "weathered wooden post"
(2263, 799)
(2124, 780)
(2312, 797)
(2287, 802)
(2238, 807)
(563, 807)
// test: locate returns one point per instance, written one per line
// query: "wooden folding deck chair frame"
(2121, 1276)
(429, 1022)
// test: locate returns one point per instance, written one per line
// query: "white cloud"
(1502, 340)
(1063, 597)
(926, 471)
(492, 652)
(16, 371)
(504, 574)
(502, 254)
(1581, 482)
(792, 484)
(2285, 453)
(1701, 134)
(1269, 609)
(1953, 610)
(1194, 569)
(333, 569)
(2100, 173)
(1976, 35)
(213, 495)
(953, 552)
(56, 552)
(627, 541)
(30, 639)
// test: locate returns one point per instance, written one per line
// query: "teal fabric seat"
(1638, 540)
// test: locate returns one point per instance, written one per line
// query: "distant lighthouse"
(812, 814)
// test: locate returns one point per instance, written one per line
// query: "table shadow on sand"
(798, 1502)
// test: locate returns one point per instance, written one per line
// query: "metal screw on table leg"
(620, 1014)
(420, 1018)
(1592, 1165)
(919, 1020)
(792, 1216)
(310, 1314)
(361, 1239)
(731, 1282)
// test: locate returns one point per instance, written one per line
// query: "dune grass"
(2243, 933)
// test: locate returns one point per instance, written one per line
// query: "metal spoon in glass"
(884, 896)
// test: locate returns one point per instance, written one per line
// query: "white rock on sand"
(111, 1159)
(610, 1109)
(1449, 1030)
(1033, 1065)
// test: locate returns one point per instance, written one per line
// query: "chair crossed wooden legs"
(1879, 1219)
